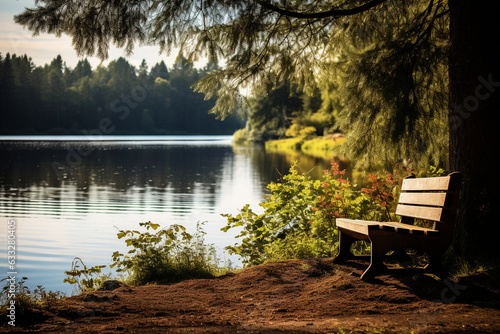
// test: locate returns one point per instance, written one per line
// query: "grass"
(462, 268)
(320, 147)
(284, 145)
(325, 146)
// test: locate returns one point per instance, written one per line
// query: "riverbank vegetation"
(158, 255)
(298, 222)
(324, 147)
(317, 122)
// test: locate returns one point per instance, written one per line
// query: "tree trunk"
(474, 126)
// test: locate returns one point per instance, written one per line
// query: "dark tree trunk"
(474, 125)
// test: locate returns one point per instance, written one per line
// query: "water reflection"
(67, 206)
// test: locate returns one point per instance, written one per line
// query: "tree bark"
(474, 121)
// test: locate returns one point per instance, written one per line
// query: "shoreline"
(294, 296)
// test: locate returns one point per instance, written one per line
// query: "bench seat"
(364, 226)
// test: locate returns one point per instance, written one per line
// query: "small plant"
(20, 294)
(164, 255)
(26, 300)
(87, 279)
(47, 298)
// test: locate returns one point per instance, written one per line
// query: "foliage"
(240, 137)
(393, 80)
(156, 256)
(383, 191)
(319, 112)
(285, 110)
(283, 145)
(291, 225)
(86, 279)
(27, 300)
(300, 213)
(325, 146)
(300, 131)
(315, 146)
(167, 255)
(269, 115)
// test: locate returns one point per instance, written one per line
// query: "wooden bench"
(433, 199)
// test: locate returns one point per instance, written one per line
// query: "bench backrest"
(433, 198)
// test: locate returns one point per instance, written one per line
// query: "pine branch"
(325, 14)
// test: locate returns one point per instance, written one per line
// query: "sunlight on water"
(76, 209)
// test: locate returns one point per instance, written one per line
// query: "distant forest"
(117, 99)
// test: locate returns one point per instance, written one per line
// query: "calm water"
(68, 194)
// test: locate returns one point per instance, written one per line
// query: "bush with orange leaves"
(300, 214)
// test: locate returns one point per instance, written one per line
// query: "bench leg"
(378, 251)
(435, 265)
(345, 242)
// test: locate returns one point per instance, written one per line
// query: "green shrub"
(325, 146)
(241, 137)
(300, 214)
(167, 255)
(296, 130)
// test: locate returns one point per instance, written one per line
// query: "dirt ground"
(296, 296)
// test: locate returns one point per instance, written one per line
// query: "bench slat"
(433, 199)
(405, 228)
(358, 226)
(427, 184)
(363, 227)
(421, 212)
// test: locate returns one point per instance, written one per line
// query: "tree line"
(56, 99)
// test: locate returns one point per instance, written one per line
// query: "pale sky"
(14, 39)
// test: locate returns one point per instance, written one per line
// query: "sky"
(14, 39)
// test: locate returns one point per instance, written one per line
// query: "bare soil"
(296, 296)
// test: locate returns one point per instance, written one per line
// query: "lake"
(69, 194)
